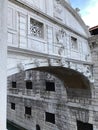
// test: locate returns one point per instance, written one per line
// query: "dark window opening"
(74, 43)
(28, 110)
(84, 126)
(28, 85)
(13, 84)
(50, 86)
(50, 117)
(37, 127)
(13, 106)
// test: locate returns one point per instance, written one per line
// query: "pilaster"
(3, 63)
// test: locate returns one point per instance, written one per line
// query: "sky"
(88, 11)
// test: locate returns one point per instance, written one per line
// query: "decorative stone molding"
(28, 75)
(58, 9)
(79, 114)
(60, 37)
(57, 6)
(54, 62)
(63, 62)
(37, 62)
(61, 40)
(20, 66)
(49, 76)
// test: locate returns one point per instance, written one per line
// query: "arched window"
(37, 127)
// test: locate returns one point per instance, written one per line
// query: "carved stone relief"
(20, 66)
(57, 9)
(28, 75)
(61, 40)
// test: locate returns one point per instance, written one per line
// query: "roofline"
(93, 28)
(76, 15)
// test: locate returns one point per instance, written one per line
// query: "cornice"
(43, 55)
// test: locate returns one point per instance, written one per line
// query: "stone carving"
(28, 75)
(63, 62)
(49, 76)
(57, 6)
(37, 62)
(58, 9)
(36, 28)
(20, 66)
(61, 36)
(50, 62)
(61, 39)
(87, 72)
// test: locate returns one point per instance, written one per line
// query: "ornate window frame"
(74, 43)
(40, 21)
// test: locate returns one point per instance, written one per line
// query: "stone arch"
(70, 77)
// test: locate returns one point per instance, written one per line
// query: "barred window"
(28, 84)
(28, 110)
(36, 28)
(14, 85)
(13, 106)
(50, 86)
(50, 117)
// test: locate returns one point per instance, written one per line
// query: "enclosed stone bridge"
(47, 41)
(47, 35)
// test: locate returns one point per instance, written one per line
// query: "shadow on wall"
(70, 78)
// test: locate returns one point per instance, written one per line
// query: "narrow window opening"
(28, 84)
(13, 106)
(50, 86)
(14, 85)
(28, 110)
(74, 43)
(50, 117)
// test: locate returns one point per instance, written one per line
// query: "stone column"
(3, 63)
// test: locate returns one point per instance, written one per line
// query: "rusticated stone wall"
(67, 104)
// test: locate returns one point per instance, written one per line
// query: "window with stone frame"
(28, 84)
(28, 111)
(14, 84)
(50, 117)
(36, 28)
(13, 106)
(50, 86)
(74, 43)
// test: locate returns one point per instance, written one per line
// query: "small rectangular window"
(36, 28)
(28, 84)
(84, 126)
(74, 43)
(28, 110)
(14, 85)
(50, 117)
(50, 86)
(13, 106)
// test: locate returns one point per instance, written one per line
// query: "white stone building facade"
(48, 36)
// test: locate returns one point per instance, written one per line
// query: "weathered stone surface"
(67, 107)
